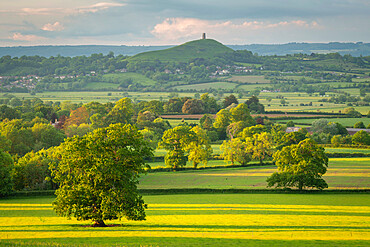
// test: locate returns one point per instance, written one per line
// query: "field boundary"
(249, 191)
(210, 191)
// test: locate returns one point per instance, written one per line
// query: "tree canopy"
(6, 166)
(300, 165)
(98, 175)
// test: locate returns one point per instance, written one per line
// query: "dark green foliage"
(8, 112)
(98, 175)
(193, 106)
(359, 125)
(338, 140)
(351, 112)
(46, 136)
(19, 136)
(206, 122)
(290, 124)
(6, 168)
(31, 172)
(324, 130)
(254, 105)
(230, 100)
(361, 138)
(210, 104)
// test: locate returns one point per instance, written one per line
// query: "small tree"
(290, 124)
(193, 106)
(241, 113)
(260, 146)
(199, 149)
(121, 112)
(175, 141)
(235, 150)
(229, 100)
(359, 125)
(184, 143)
(350, 111)
(206, 122)
(361, 138)
(98, 175)
(300, 165)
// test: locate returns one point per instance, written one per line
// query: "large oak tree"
(300, 165)
(98, 175)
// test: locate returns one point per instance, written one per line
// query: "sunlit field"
(342, 173)
(201, 220)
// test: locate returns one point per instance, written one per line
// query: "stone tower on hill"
(204, 36)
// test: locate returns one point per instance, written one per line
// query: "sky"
(172, 22)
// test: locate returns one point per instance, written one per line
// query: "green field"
(347, 150)
(254, 219)
(208, 85)
(249, 79)
(136, 78)
(343, 173)
(101, 85)
(87, 97)
(176, 122)
(346, 122)
(200, 220)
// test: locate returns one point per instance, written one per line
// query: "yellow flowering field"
(190, 220)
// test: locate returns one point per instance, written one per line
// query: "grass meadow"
(135, 77)
(249, 79)
(208, 85)
(342, 173)
(200, 220)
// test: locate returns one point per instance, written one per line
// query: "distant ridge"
(76, 50)
(203, 48)
(354, 49)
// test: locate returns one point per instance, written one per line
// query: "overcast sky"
(160, 22)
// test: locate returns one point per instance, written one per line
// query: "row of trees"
(325, 132)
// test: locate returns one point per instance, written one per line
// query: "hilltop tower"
(204, 36)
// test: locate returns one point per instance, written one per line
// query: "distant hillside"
(73, 51)
(354, 49)
(203, 48)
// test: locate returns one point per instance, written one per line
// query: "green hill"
(203, 48)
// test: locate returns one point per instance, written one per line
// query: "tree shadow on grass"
(161, 228)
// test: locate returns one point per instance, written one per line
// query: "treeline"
(30, 132)
(59, 65)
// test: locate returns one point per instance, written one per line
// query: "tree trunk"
(99, 223)
(300, 186)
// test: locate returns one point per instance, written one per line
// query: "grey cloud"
(236, 9)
